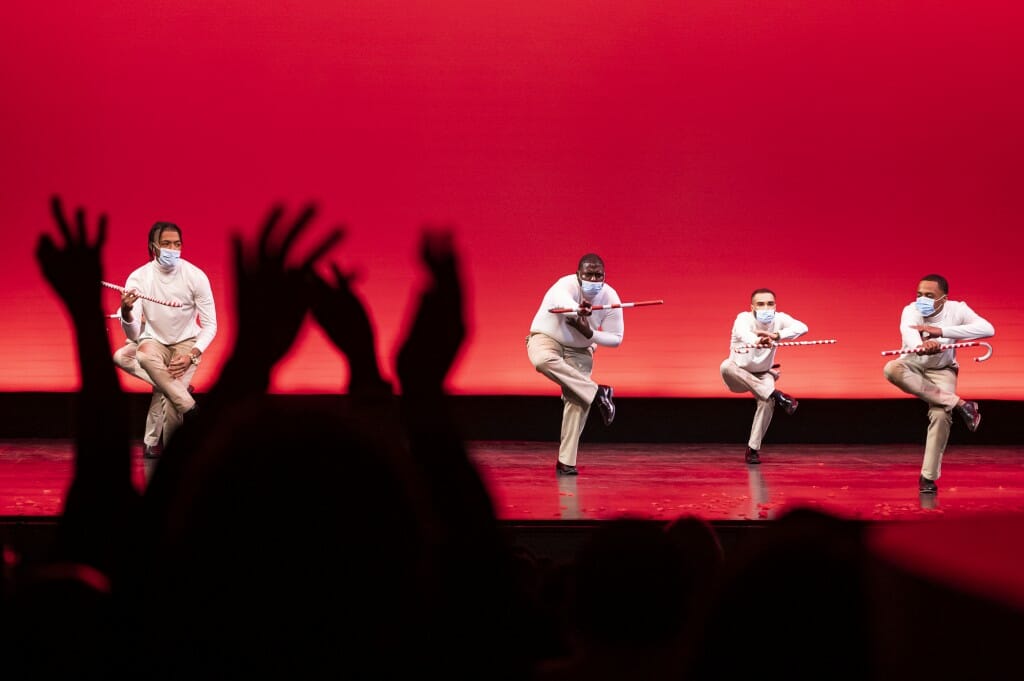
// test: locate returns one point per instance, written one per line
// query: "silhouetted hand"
(273, 296)
(343, 317)
(73, 267)
(439, 328)
(100, 507)
(478, 592)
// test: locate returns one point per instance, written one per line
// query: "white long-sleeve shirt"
(958, 323)
(186, 284)
(566, 292)
(744, 331)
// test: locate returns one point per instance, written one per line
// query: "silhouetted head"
(701, 547)
(794, 597)
(300, 537)
(631, 586)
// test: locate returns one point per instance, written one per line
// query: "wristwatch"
(195, 359)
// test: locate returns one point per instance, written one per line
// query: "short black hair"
(154, 234)
(938, 279)
(591, 258)
(761, 290)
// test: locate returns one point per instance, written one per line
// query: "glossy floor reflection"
(656, 481)
(663, 481)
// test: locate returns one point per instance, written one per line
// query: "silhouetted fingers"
(317, 284)
(343, 279)
(438, 249)
(325, 245)
(268, 226)
(438, 240)
(101, 231)
(57, 208)
(80, 224)
(45, 248)
(300, 224)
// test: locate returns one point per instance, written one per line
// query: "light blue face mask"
(926, 306)
(591, 288)
(169, 257)
(765, 316)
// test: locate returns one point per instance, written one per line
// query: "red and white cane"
(122, 289)
(642, 303)
(747, 347)
(950, 346)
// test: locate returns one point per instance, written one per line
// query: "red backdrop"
(832, 151)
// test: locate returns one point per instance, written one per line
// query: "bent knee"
(893, 370)
(146, 354)
(545, 362)
(125, 357)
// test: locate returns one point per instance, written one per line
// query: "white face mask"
(765, 316)
(169, 257)
(591, 288)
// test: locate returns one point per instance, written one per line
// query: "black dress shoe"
(605, 403)
(926, 486)
(190, 415)
(787, 402)
(565, 470)
(969, 413)
(752, 456)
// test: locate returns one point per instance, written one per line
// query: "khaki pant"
(762, 385)
(570, 368)
(125, 358)
(937, 387)
(148, 361)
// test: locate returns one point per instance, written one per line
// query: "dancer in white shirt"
(930, 373)
(172, 340)
(751, 369)
(561, 346)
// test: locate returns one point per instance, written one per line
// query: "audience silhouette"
(353, 537)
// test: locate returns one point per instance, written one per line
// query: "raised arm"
(346, 321)
(439, 326)
(272, 297)
(100, 507)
